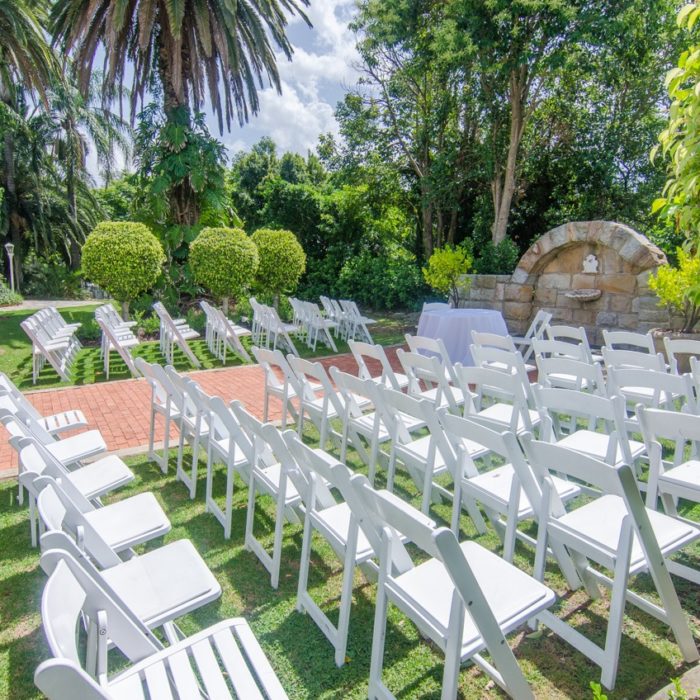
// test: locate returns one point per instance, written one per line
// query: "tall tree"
(26, 63)
(187, 48)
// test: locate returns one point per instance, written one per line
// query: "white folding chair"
(280, 382)
(535, 331)
(683, 347)
(228, 443)
(175, 332)
(150, 587)
(338, 522)
(672, 479)
(628, 340)
(92, 481)
(616, 532)
(505, 491)
(55, 423)
(427, 370)
(464, 598)
(611, 444)
(566, 373)
(433, 347)
(575, 336)
(271, 469)
(364, 351)
(122, 524)
(190, 668)
(166, 401)
(121, 345)
(318, 399)
(626, 359)
(504, 360)
(318, 327)
(355, 321)
(277, 331)
(501, 398)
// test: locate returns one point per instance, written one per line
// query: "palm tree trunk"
(75, 249)
(13, 218)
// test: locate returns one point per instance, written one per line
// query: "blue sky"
(312, 83)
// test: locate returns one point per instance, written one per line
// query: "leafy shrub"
(124, 258)
(498, 259)
(282, 262)
(387, 280)
(679, 288)
(147, 323)
(7, 296)
(445, 269)
(89, 332)
(49, 278)
(224, 261)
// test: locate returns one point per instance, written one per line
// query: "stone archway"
(620, 261)
(592, 255)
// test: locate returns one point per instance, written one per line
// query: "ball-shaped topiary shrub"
(282, 261)
(124, 258)
(224, 261)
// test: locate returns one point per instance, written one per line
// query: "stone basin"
(584, 294)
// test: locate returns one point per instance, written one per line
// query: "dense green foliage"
(679, 288)
(7, 296)
(445, 269)
(680, 140)
(124, 258)
(224, 261)
(282, 262)
(47, 277)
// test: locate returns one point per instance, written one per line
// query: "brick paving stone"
(120, 410)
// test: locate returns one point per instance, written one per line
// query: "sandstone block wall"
(592, 255)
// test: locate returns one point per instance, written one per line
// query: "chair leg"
(346, 600)
(304, 562)
(277, 543)
(228, 513)
(378, 640)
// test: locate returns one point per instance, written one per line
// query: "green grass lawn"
(16, 355)
(298, 651)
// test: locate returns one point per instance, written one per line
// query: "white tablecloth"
(455, 327)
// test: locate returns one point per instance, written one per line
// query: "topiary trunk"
(125, 311)
(224, 306)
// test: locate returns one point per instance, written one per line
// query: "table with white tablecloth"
(455, 326)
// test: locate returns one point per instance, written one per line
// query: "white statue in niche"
(590, 264)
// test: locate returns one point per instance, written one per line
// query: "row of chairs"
(311, 325)
(517, 491)
(96, 581)
(117, 335)
(222, 335)
(349, 321)
(53, 341)
(268, 329)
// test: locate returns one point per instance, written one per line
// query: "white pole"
(12, 273)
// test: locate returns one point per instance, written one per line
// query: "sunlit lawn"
(16, 356)
(299, 652)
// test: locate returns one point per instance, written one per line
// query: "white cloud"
(312, 83)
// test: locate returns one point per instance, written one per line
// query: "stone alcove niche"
(554, 266)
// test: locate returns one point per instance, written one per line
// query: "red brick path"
(121, 410)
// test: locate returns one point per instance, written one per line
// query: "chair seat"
(164, 583)
(685, 476)
(270, 478)
(493, 488)
(334, 522)
(432, 394)
(513, 595)
(77, 447)
(129, 522)
(100, 477)
(222, 448)
(401, 380)
(66, 420)
(503, 413)
(599, 522)
(596, 444)
(178, 671)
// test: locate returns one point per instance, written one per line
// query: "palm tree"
(26, 63)
(188, 45)
(75, 122)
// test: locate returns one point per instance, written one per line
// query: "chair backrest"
(270, 360)
(497, 384)
(362, 351)
(351, 388)
(666, 387)
(559, 348)
(565, 373)
(427, 369)
(629, 340)
(504, 360)
(493, 340)
(248, 434)
(539, 324)
(678, 427)
(307, 373)
(633, 358)
(573, 335)
(432, 346)
(680, 346)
